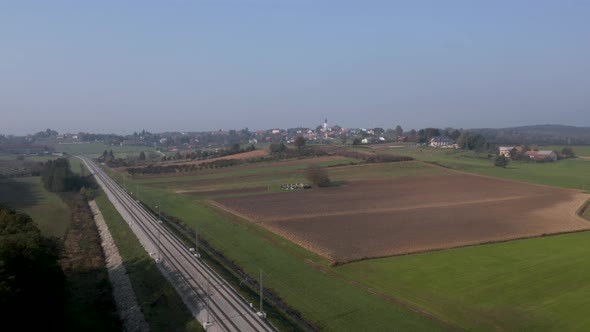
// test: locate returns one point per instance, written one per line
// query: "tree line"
(57, 176)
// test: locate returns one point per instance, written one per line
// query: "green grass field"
(528, 285)
(47, 209)
(535, 284)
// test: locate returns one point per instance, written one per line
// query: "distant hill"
(538, 134)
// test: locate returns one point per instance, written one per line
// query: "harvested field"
(412, 214)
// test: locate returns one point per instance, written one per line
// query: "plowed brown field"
(411, 214)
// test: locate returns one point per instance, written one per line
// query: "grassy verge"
(161, 305)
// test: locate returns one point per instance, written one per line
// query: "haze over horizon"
(114, 67)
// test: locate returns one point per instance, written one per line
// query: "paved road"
(224, 308)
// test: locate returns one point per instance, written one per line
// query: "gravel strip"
(125, 299)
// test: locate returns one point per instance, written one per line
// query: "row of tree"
(57, 176)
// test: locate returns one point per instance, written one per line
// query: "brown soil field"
(367, 219)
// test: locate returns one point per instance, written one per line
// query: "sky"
(123, 66)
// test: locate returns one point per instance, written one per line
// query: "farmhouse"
(543, 155)
(505, 151)
(442, 142)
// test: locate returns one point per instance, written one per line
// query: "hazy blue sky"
(120, 66)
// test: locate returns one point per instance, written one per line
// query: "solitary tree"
(398, 130)
(277, 148)
(501, 161)
(235, 148)
(300, 142)
(142, 155)
(568, 153)
(317, 175)
(343, 138)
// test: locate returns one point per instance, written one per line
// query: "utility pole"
(261, 313)
(159, 225)
(159, 242)
(466, 141)
(207, 322)
(195, 250)
(197, 242)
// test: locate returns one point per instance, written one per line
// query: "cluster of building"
(443, 142)
(539, 155)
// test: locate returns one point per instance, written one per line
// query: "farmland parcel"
(376, 218)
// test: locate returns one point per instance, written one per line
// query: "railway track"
(219, 307)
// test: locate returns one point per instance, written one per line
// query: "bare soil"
(366, 219)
